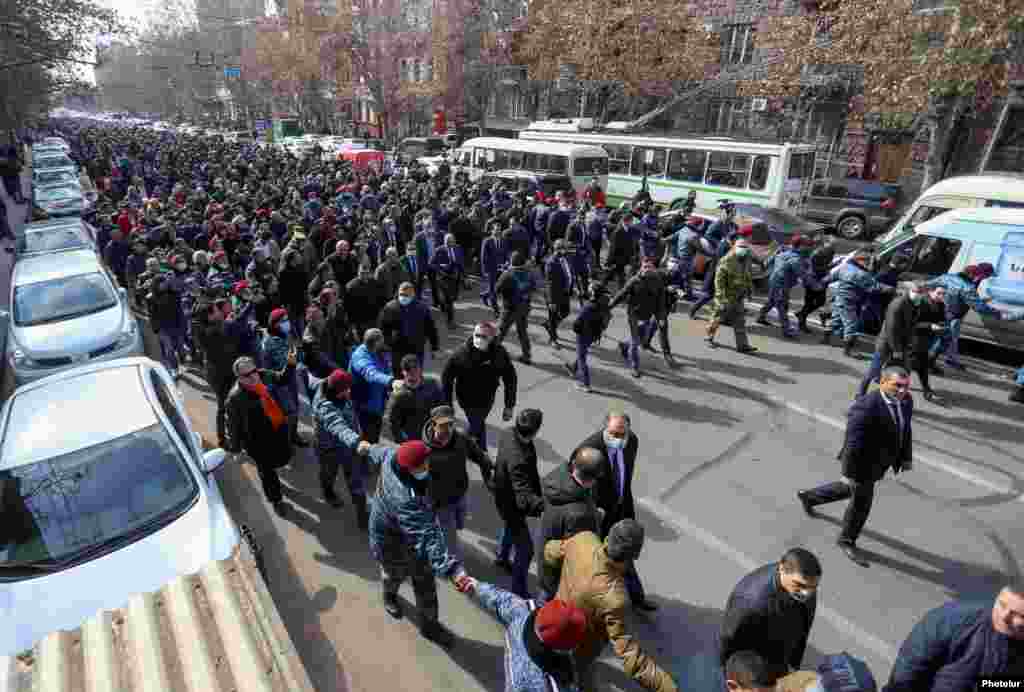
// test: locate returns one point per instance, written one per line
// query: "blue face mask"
(405, 300)
(285, 326)
(422, 475)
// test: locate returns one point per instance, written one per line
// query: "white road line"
(879, 647)
(921, 459)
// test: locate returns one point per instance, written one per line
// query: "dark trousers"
(708, 289)
(633, 585)
(449, 293)
(812, 301)
(516, 315)
(860, 494)
(435, 292)
(556, 313)
(371, 424)
(12, 183)
(517, 537)
(424, 584)
(619, 271)
(355, 470)
(476, 427)
(270, 481)
(221, 389)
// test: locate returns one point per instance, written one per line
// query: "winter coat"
(762, 617)
(516, 485)
(410, 409)
(222, 343)
(568, 507)
(390, 275)
(733, 281)
(515, 287)
(364, 298)
(852, 284)
(275, 351)
(449, 479)
(961, 297)
(591, 581)
(371, 380)
(334, 422)
(408, 328)
(402, 519)
(528, 664)
(951, 648)
(471, 377)
(897, 333)
(493, 256)
(645, 297)
(315, 356)
(593, 319)
(248, 427)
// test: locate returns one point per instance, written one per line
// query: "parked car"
(53, 162)
(857, 208)
(66, 310)
(60, 200)
(56, 235)
(54, 177)
(107, 493)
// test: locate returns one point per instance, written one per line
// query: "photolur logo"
(1000, 684)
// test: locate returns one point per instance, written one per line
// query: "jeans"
(582, 351)
(354, 467)
(517, 537)
(639, 332)
(476, 425)
(948, 342)
(172, 342)
(452, 519)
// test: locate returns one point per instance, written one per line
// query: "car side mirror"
(214, 459)
(123, 291)
(4, 315)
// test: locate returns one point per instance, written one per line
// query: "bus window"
(500, 159)
(515, 160)
(529, 162)
(687, 165)
(618, 158)
(589, 166)
(933, 256)
(801, 165)
(656, 169)
(542, 162)
(481, 158)
(759, 172)
(727, 169)
(559, 164)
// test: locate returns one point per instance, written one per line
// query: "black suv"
(854, 207)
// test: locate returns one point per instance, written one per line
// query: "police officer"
(787, 269)
(561, 283)
(853, 284)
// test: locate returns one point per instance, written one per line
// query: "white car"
(107, 493)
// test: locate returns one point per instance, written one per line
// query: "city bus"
(775, 176)
(581, 162)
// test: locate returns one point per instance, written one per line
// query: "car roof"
(990, 185)
(74, 409)
(30, 270)
(982, 224)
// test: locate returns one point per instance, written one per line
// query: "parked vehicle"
(856, 208)
(546, 184)
(56, 235)
(580, 162)
(52, 162)
(412, 148)
(60, 200)
(66, 310)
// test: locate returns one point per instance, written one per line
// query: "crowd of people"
(278, 278)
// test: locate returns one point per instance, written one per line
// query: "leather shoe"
(393, 607)
(855, 556)
(645, 606)
(805, 500)
(503, 565)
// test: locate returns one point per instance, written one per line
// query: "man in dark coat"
(410, 407)
(561, 282)
(364, 299)
(343, 264)
(472, 375)
(896, 340)
(221, 339)
(449, 263)
(515, 289)
(646, 299)
(517, 495)
(614, 492)
(569, 505)
(257, 423)
(493, 258)
(407, 326)
(878, 437)
(957, 644)
(771, 610)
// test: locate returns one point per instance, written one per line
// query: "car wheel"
(851, 227)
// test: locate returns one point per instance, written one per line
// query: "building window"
(327, 8)
(930, 6)
(727, 116)
(738, 44)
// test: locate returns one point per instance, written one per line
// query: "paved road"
(725, 442)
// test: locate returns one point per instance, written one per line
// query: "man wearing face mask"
(593, 578)
(339, 444)
(450, 265)
(407, 326)
(406, 539)
(515, 289)
(771, 611)
(878, 437)
(471, 377)
(517, 495)
(411, 405)
(449, 479)
(614, 493)
(646, 299)
(733, 284)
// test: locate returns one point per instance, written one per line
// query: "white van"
(951, 241)
(961, 192)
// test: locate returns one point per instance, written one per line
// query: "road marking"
(921, 459)
(879, 647)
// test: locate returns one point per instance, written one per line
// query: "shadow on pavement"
(809, 365)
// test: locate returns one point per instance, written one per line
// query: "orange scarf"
(270, 407)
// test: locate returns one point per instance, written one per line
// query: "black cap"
(528, 421)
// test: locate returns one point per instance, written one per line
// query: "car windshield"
(61, 299)
(50, 241)
(55, 177)
(53, 162)
(59, 510)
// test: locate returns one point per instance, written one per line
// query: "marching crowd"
(278, 277)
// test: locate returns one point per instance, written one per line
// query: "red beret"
(745, 231)
(339, 381)
(276, 315)
(561, 625)
(412, 454)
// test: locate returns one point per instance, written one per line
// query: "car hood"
(74, 336)
(33, 608)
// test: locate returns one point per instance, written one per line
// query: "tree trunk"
(942, 113)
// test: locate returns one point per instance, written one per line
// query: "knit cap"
(561, 625)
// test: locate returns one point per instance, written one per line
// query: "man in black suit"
(414, 267)
(561, 280)
(614, 491)
(878, 437)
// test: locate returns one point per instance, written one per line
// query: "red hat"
(797, 240)
(177, 258)
(745, 231)
(220, 254)
(694, 221)
(561, 625)
(412, 454)
(339, 381)
(276, 315)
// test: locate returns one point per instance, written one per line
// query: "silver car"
(60, 200)
(107, 493)
(55, 235)
(66, 310)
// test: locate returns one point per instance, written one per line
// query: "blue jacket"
(853, 284)
(402, 517)
(493, 256)
(335, 422)
(443, 261)
(371, 380)
(950, 648)
(787, 269)
(961, 296)
(522, 673)
(275, 352)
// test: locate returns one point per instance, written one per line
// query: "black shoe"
(936, 370)
(624, 351)
(710, 342)
(281, 508)
(855, 556)
(504, 565)
(763, 320)
(933, 396)
(645, 606)
(802, 325)
(331, 498)
(805, 501)
(525, 360)
(438, 633)
(636, 372)
(790, 335)
(670, 361)
(570, 368)
(1017, 395)
(648, 347)
(747, 349)
(848, 347)
(393, 607)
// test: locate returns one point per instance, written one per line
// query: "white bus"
(581, 162)
(770, 175)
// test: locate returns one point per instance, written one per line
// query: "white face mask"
(481, 343)
(421, 475)
(405, 300)
(614, 442)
